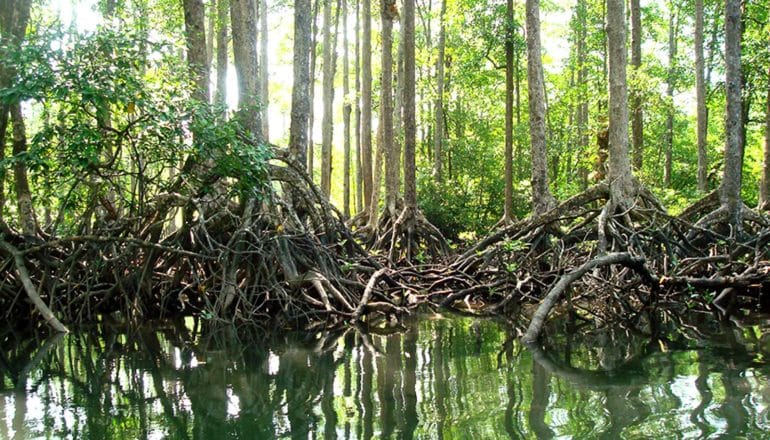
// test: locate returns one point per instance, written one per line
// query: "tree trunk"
(621, 181)
(300, 92)
(27, 218)
(542, 200)
(210, 26)
(3, 132)
(388, 14)
(508, 205)
(438, 132)
(672, 31)
(359, 173)
(374, 213)
(14, 16)
(264, 75)
(311, 86)
(195, 38)
(764, 186)
(345, 113)
(220, 97)
(730, 191)
(366, 104)
(327, 124)
(700, 92)
(637, 118)
(582, 113)
(410, 128)
(243, 19)
(398, 107)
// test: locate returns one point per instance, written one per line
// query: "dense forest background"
(156, 125)
(130, 55)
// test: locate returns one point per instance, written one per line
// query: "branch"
(624, 258)
(26, 281)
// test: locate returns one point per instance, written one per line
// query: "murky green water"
(440, 377)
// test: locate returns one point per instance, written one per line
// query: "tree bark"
(26, 209)
(220, 96)
(438, 132)
(700, 92)
(210, 26)
(671, 77)
(509, 28)
(311, 86)
(366, 104)
(637, 117)
(730, 190)
(542, 200)
(300, 93)
(410, 127)
(243, 19)
(764, 186)
(327, 124)
(14, 16)
(621, 181)
(195, 38)
(346, 110)
(388, 14)
(264, 75)
(357, 67)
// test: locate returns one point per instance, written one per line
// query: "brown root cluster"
(286, 257)
(283, 258)
(611, 263)
(405, 236)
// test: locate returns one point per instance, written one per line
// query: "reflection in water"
(440, 377)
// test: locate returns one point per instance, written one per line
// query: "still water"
(434, 377)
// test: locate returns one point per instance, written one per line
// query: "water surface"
(433, 377)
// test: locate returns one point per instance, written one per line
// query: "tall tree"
(27, 218)
(264, 75)
(243, 19)
(311, 85)
(346, 110)
(542, 200)
(730, 190)
(327, 123)
(388, 13)
(195, 37)
(220, 96)
(670, 79)
(14, 16)
(637, 117)
(438, 132)
(621, 180)
(582, 73)
(410, 124)
(357, 68)
(509, 36)
(700, 92)
(366, 103)
(764, 184)
(300, 92)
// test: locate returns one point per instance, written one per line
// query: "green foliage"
(113, 116)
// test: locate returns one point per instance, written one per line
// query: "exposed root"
(285, 256)
(624, 260)
(405, 236)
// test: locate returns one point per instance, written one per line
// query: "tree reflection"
(435, 378)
